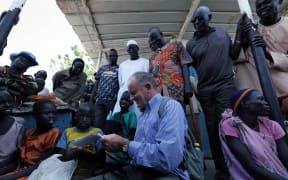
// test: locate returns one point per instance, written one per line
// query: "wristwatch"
(125, 147)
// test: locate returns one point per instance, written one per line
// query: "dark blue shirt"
(210, 54)
(108, 85)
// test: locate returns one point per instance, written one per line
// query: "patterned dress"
(166, 64)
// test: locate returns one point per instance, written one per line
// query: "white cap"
(131, 42)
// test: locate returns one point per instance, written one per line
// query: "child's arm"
(70, 154)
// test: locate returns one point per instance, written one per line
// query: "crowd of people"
(118, 128)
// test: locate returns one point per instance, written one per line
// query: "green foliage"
(62, 62)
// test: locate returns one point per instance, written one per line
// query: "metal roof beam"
(92, 20)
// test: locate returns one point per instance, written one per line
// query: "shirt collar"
(199, 34)
(82, 130)
(153, 101)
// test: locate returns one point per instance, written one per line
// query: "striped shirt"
(159, 142)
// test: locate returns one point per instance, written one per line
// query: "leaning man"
(158, 147)
(12, 77)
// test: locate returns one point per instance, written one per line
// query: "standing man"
(126, 69)
(159, 143)
(211, 50)
(274, 30)
(69, 84)
(169, 64)
(12, 77)
(106, 89)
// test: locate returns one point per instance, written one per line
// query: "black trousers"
(102, 109)
(213, 105)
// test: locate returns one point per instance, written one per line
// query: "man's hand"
(258, 41)
(242, 22)
(113, 142)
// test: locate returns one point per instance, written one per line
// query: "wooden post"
(195, 124)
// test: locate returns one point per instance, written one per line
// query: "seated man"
(254, 145)
(12, 77)
(159, 143)
(69, 84)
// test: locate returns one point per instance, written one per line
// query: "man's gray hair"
(143, 77)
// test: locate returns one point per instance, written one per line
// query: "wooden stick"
(194, 122)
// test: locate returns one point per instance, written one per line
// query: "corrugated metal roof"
(104, 24)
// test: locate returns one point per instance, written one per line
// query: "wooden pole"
(195, 124)
(193, 6)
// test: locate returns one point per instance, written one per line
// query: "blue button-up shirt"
(160, 141)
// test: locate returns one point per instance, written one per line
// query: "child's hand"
(70, 154)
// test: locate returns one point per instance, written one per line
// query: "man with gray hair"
(159, 143)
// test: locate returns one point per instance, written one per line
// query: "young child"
(90, 155)
(126, 118)
(39, 142)
(40, 77)
(11, 133)
(41, 86)
(125, 123)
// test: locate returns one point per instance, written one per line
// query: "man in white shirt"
(126, 69)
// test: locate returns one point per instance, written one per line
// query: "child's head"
(45, 113)
(41, 74)
(40, 83)
(6, 102)
(125, 101)
(84, 115)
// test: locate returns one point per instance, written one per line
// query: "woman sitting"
(254, 145)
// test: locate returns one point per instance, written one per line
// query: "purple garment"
(261, 145)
